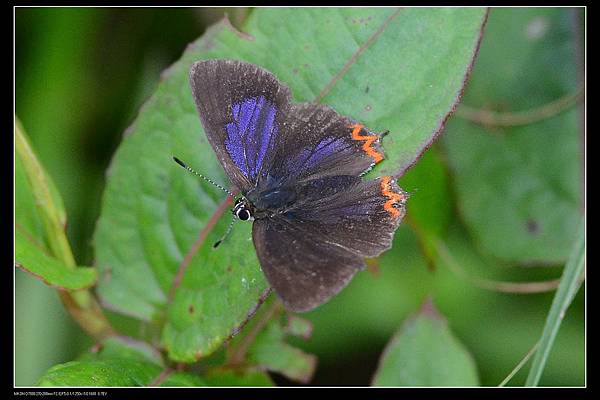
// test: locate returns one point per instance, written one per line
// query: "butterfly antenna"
(218, 242)
(184, 165)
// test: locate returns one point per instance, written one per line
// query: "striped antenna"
(218, 242)
(184, 165)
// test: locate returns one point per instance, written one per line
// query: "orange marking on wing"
(386, 190)
(356, 128)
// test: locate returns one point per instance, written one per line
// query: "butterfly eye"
(243, 214)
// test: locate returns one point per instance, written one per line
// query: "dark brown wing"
(304, 272)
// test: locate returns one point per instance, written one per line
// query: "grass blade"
(520, 365)
(567, 289)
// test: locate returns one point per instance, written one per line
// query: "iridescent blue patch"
(250, 134)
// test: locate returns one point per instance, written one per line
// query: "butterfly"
(299, 170)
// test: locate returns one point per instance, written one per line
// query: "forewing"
(304, 271)
(259, 136)
(241, 107)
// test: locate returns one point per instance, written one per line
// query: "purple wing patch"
(251, 134)
(309, 158)
(324, 149)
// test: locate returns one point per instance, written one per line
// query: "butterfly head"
(243, 209)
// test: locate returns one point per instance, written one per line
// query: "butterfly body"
(299, 169)
(271, 200)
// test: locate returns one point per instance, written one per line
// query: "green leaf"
(27, 218)
(51, 271)
(538, 50)
(569, 285)
(130, 364)
(238, 377)
(119, 361)
(40, 222)
(269, 350)
(41, 213)
(124, 347)
(109, 372)
(425, 353)
(153, 212)
(519, 187)
(183, 379)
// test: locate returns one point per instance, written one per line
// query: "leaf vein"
(356, 55)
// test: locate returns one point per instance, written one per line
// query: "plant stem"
(237, 354)
(488, 284)
(507, 119)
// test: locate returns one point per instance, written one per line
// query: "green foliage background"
(503, 200)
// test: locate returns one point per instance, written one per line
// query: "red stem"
(197, 244)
